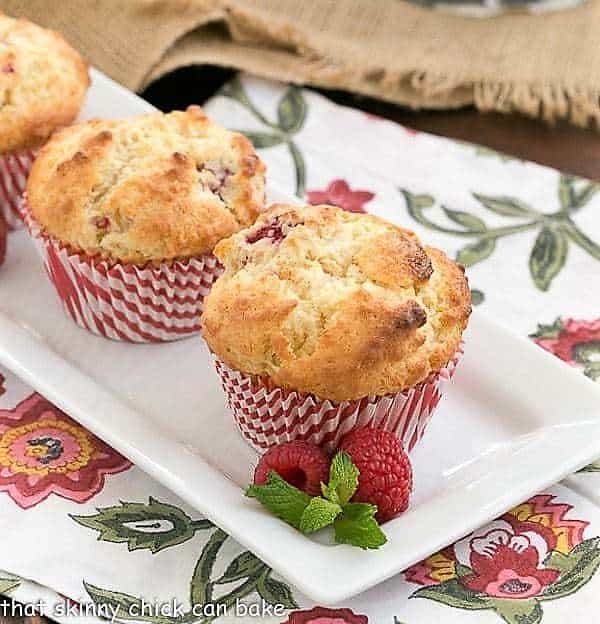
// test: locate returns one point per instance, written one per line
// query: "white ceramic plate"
(514, 421)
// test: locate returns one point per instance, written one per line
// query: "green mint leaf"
(318, 514)
(281, 499)
(330, 491)
(343, 479)
(357, 526)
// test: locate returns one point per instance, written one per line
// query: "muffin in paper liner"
(267, 415)
(14, 169)
(124, 301)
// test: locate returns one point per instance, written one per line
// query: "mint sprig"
(353, 523)
(282, 499)
(343, 479)
(319, 513)
(357, 526)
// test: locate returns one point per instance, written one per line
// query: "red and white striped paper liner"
(14, 170)
(124, 301)
(268, 416)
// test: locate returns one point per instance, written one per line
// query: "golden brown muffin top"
(336, 304)
(150, 188)
(43, 82)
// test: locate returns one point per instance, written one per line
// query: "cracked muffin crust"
(151, 188)
(43, 82)
(335, 304)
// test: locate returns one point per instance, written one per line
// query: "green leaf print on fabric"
(468, 221)
(156, 526)
(8, 583)
(201, 587)
(300, 167)
(576, 569)
(292, 110)
(245, 564)
(453, 594)
(548, 256)
(291, 115)
(127, 607)
(262, 140)
(548, 331)
(477, 296)
(518, 611)
(574, 193)
(505, 206)
(555, 231)
(275, 592)
(255, 574)
(482, 150)
(476, 252)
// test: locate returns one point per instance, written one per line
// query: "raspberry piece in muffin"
(215, 179)
(271, 231)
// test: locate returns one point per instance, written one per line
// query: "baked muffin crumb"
(336, 304)
(152, 188)
(43, 82)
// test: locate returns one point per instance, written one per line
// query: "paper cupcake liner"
(267, 416)
(14, 169)
(124, 301)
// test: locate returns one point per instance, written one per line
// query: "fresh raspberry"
(300, 463)
(3, 237)
(385, 473)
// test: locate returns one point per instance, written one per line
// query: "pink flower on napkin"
(531, 553)
(576, 342)
(570, 338)
(43, 452)
(339, 194)
(321, 615)
(506, 560)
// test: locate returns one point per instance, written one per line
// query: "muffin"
(126, 214)
(324, 321)
(43, 82)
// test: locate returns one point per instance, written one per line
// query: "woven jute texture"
(544, 66)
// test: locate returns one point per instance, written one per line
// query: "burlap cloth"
(545, 66)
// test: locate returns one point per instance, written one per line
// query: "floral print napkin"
(79, 521)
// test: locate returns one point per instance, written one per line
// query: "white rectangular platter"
(514, 421)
